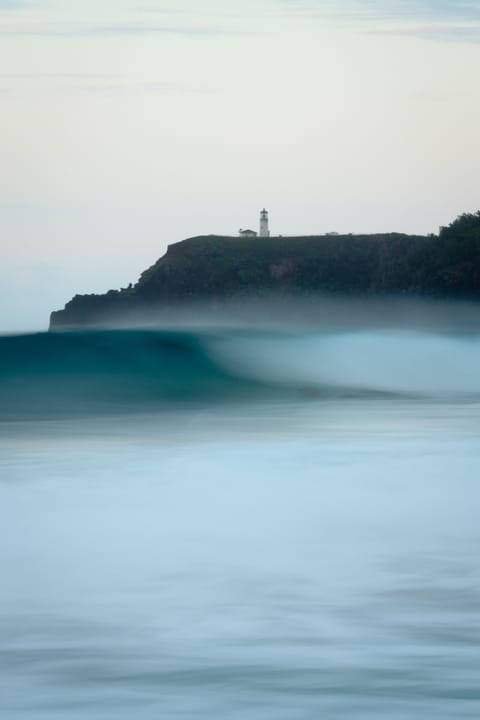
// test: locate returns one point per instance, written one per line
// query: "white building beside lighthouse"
(264, 231)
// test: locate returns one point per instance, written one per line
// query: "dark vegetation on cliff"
(212, 269)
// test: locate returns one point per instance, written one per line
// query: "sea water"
(239, 525)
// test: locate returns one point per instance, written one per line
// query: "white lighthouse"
(264, 231)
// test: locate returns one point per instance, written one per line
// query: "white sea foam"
(384, 361)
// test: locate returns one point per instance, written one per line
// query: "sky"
(127, 125)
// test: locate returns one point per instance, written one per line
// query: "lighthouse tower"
(264, 231)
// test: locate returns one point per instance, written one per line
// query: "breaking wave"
(50, 374)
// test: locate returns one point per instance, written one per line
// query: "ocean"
(238, 523)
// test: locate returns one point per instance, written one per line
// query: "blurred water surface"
(301, 559)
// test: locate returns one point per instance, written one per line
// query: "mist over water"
(273, 525)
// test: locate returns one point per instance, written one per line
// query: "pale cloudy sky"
(126, 125)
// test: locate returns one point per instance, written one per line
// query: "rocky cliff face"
(210, 270)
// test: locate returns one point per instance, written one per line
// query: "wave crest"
(47, 374)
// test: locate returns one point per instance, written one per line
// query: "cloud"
(445, 20)
(55, 75)
(466, 34)
(92, 84)
(121, 30)
(18, 4)
(437, 10)
(132, 88)
(124, 19)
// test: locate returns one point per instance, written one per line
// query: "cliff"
(213, 269)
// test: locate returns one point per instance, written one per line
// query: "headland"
(211, 270)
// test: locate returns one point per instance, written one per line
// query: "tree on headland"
(457, 256)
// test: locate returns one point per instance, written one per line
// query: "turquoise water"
(303, 543)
